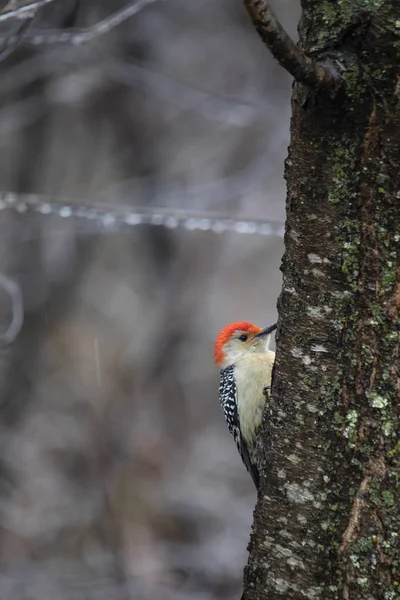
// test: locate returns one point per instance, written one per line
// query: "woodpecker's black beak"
(266, 330)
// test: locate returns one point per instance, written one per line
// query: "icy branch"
(288, 54)
(113, 218)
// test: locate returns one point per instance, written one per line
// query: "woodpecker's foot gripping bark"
(267, 391)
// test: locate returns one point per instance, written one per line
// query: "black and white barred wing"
(228, 400)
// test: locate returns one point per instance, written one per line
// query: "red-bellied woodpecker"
(242, 353)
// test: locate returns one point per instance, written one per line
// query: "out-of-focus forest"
(118, 478)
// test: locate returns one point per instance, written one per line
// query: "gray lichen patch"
(297, 493)
(295, 562)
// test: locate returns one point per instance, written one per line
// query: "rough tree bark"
(327, 521)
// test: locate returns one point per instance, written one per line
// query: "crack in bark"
(376, 467)
(353, 528)
(394, 301)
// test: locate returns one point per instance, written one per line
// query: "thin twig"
(14, 40)
(13, 290)
(85, 35)
(287, 53)
(21, 11)
(183, 94)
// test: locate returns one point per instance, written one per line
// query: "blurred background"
(118, 478)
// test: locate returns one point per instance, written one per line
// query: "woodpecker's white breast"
(252, 374)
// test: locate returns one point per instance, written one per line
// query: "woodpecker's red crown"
(225, 335)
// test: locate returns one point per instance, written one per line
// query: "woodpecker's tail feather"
(249, 464)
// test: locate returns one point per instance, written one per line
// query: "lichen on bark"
(327, 522)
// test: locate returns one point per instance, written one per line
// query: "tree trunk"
(327, 522)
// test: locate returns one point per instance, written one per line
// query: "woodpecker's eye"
(243, 337)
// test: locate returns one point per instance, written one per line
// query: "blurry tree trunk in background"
(327, 522)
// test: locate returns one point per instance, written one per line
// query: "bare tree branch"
(13, 290)
(12, 41)
(82, 36)
(287, 53)
(21, 10)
